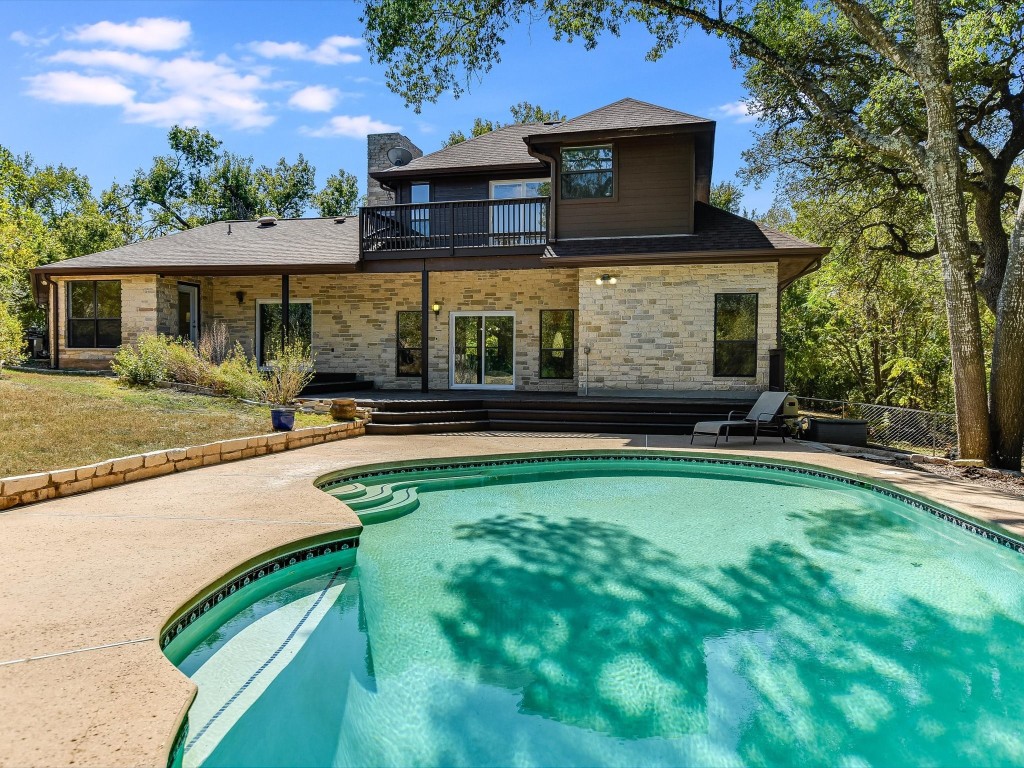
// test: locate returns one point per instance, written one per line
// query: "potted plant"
(287, 375)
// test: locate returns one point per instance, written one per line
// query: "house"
(557, 257)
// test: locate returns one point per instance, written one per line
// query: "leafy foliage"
(339, 197)
(12, 339)
(141, 364)
(523, 112)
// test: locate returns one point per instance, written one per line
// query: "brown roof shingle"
(501, 148)
(296, 243)
(624, 114)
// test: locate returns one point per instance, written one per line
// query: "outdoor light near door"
(436, 307)
(240, 295)
(606, 280)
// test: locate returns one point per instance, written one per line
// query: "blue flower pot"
(283, 419)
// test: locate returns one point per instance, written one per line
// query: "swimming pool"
(640, 610)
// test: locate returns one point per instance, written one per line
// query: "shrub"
(289, 372)
(142, 364)
(12, 339)
(213, 346)
(239, 376)
(184, 364)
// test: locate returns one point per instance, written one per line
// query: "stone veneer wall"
(138, 316)
(524, 292)
(377, 146)
(654, 329)
(167, 303)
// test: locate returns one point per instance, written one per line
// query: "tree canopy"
(523, 112)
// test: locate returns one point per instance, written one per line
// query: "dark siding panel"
(448, 190)
(654, 193)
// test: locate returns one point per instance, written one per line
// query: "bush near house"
(12, 339)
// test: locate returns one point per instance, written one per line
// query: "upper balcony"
(459, 228)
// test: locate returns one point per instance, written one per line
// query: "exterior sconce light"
(436, 307)
(240, 295)
(606, 280)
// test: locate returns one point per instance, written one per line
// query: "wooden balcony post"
(425, 329)
(451, 229)
(285, 312)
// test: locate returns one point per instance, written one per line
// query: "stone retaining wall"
(26, 489)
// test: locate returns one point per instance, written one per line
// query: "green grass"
(52, 422)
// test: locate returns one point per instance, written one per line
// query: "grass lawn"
(53, 422)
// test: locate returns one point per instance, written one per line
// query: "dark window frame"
(571, 348)
(199, 306)
(715, 341)
(420, 216)
(613, 170)
(398, 344)
(95, 318)
(259, 336)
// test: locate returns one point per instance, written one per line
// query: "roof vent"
(399, 156)
(267, 221)
(339, 219)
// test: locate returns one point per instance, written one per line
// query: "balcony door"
(519, 221)
(482, 350)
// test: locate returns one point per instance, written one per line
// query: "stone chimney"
(377, 146)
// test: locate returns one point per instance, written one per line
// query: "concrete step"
(428, 428)
(425, 417)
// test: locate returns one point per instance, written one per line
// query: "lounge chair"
(765, 412)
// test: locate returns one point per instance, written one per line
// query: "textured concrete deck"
(88, 581)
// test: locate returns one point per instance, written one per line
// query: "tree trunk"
(944, 183)
(1007, 417)
(988, 217)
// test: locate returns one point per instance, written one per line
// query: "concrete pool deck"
(88, 581)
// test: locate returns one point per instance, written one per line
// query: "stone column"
(377, 146)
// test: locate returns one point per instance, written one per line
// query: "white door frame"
(451, 349)
(192, 289)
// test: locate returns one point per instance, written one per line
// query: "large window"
(556, 344)
(519, 223)
(94, 313)
(735, 334)
(420, 217)
(587, 173)
(269, 327)
(410, 344)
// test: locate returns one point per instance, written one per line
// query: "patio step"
(428, 428)
(428, 417)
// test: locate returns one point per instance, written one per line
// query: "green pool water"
(621, 613)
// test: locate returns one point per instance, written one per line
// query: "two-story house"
(580, 256)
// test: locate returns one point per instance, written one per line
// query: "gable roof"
(312, 245)
(623, 115)
(501, 149)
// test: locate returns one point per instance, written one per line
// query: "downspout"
(424, 328)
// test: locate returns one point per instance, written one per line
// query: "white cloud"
(73, 88)
(740, 111)
(184, 90)
(352, 126)
(330, 50)
(27, 40)
(315, 98)
(145, 34)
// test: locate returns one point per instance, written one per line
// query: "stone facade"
(654, 329)
(138, 316)
(377, 146)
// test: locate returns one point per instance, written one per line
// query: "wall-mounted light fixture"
(240, 295)
(606, 280)
(436, 307)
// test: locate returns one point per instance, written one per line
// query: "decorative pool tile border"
(932, 509)
(207, 601)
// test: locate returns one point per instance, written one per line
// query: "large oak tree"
(926, 87)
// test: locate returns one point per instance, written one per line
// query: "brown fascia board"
(198, 271)
(462, 170)
(725, 257)
(545, 139)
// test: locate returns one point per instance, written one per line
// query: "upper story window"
(587, 173)
(94, 313)
(420, 217)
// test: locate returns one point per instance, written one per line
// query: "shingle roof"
(715, 231)
(293, 242)
(502, 147)
(624, 114)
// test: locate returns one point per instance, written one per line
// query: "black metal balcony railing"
(454, 225)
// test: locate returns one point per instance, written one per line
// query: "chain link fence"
(892, 427)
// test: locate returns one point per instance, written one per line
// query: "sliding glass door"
(482, 350)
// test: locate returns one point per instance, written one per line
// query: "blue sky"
(96, 85)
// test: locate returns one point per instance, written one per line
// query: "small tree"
(12, 339)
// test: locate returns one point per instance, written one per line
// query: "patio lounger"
(765, 411)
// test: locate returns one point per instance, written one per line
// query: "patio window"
(736, 334)
(94, 313)
(269, 326)
(557, 358)
(410, 344)
(587, 172)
